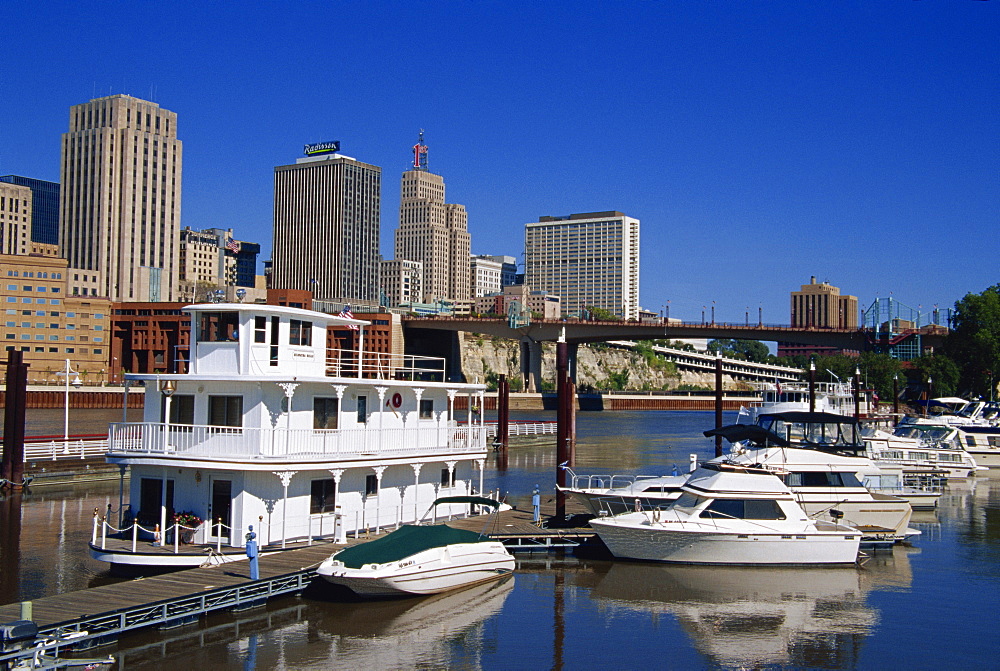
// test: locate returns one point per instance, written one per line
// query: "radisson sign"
(322, 148)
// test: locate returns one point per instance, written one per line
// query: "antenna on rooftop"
(420, 153)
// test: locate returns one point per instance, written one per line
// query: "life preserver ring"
(397, 400)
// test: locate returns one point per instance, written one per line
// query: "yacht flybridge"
(268, 427)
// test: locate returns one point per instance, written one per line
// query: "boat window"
(260, 329)
(371, 485)
(300, 333)
(426, 408)
(225, 410)
(688, 500)
(325, 411)
(744, 509)
(970, 441)
(658, 490)
(821, 479)
(322, 497)
(362, 409)
(182, 409)
(217, 326)
(447, 477)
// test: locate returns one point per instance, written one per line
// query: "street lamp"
(77, 383)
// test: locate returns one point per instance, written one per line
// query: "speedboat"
(420, 559)
(923, 449)
(730, 514)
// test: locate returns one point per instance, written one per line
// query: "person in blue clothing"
(252, 554)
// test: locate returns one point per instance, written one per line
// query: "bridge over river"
(425, 333)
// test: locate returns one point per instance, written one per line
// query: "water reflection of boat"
(751, 618)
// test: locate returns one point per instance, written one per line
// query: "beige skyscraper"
(326, 225)
(120, 203)
(433, 232)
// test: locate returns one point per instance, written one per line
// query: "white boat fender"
(638, 506)
(656, 515)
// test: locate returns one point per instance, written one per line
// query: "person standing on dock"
(252, 554)
(536, 504)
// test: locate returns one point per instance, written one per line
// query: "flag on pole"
(233, 246)
(347, 314)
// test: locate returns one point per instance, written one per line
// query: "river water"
(928, 606)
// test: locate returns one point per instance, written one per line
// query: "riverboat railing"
(523, 428)
(52, 448)
(385, 365)
(254, 442)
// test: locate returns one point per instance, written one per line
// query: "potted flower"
(187, 523)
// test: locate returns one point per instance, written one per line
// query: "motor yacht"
(730, 514)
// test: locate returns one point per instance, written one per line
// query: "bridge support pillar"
(531, 365)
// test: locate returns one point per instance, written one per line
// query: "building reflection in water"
(749, 617)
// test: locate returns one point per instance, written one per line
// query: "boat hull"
(698, 545)
(428, 572)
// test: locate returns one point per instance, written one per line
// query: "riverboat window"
(447, 477)
(300, 333)
(275, 322)
(744, 509)
(322, 496)
(426, 409)
(182, 409)
(362, 409)
(371, 485)
(325, 411)
(217, 326)
(151, 499)
(225, 410)
(260, 329)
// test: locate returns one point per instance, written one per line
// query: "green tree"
(600, 314)
(974, 342)
(748, 350)
(944, 372)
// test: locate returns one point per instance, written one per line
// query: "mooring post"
(857, 392)
(718, 402)
(12, 465)
(812, 386)
(563, 402)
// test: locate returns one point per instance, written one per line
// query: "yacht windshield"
(688, 500)
(744, 509)
(825, 434)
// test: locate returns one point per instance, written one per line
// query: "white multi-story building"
(15, 219)
(588, 260)
(486, 276)
(120, 202)
(402, 282)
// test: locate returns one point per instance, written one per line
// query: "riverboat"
(270, 427)
(832, 397)
(416, 560)
(730, 514)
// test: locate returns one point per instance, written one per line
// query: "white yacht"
(269, 427)
(420, 559)
(614, 494)
(730, 514)
(921, 449)
(832, 397)
(823, 460)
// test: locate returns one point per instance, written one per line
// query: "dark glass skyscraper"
(44, 207)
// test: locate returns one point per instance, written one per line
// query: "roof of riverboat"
(266, 309)
(324, 380)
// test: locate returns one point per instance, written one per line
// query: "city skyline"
(759, 145)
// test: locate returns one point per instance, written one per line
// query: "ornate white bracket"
(285, 476)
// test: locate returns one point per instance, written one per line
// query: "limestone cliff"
(598, 367)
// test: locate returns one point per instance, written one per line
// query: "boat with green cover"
(420, 559)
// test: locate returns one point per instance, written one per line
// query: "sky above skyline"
(759, 143)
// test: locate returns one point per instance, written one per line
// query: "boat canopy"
(407, 540)
(757, 435)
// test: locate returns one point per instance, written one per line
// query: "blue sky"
(759, 143)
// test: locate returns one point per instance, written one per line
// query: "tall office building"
(588, 260)
(433, 232)
(819, 304)
(326, 225)
(15, 218)
(120, 205)
(44, 207)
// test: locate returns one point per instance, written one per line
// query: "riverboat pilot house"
(268, 427)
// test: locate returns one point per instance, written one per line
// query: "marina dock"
(182, 597)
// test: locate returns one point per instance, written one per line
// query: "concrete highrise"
(326, 226)
(588, 260)
(120, 204)
(433, 232)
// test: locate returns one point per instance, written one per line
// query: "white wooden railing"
(241, 442)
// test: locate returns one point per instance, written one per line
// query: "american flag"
(233, 246)
(347, 314)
